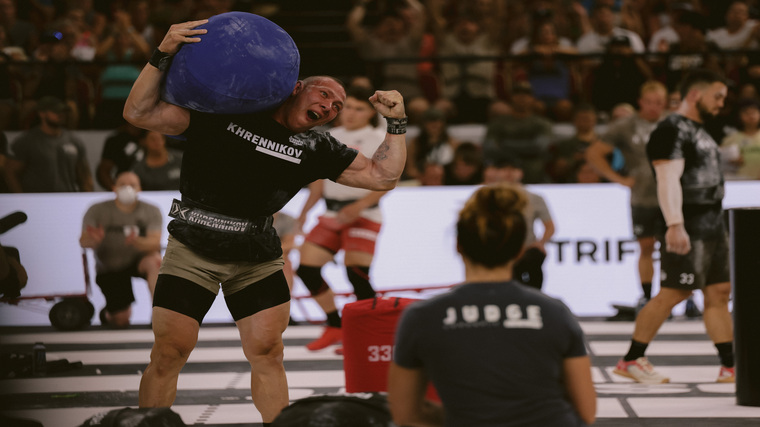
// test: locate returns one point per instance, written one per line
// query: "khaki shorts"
(179, 260)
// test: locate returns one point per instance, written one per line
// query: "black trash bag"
(337, 410)
(136, 417)
(7, 421)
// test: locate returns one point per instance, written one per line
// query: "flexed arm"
(384, 169)
(144, 107)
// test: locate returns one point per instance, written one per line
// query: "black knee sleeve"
(359, 278)
(183, 296)
(312, 278)
(266, 293)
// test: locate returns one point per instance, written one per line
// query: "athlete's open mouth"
(313, 115)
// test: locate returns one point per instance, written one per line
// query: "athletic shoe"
(640, 370)
(692, 311)
(330, 336)
(727, 375)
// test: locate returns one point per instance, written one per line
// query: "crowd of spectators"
(517, 68)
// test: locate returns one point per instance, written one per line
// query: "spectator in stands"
(467, 84)
(551, 77)
(747, 91)
(488, 14)
(10, 86)
(139, 12)
(125, 234)
(396, 34)
(618, 77)
(48, 158)
(121, 150)
(739, 30)
(630, 136)
(537, 18)
(585, 174)
(621, 111)
(741, 150)
(96, 21)
(603, 23)
(432, 175)
(692, 51)
(121, 46)
(498, 108)
(159, 169)
(20, 32)
(497, 352)
(522, 135)
(566, 154)
(466, 168)
(85, 43)
(633, 16)
(433, 146)
(50, 75)
(665, 34)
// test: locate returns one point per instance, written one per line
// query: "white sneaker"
(640, 370)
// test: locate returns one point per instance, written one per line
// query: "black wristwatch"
(160, 60)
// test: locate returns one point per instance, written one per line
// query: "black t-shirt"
(249, 166)
(677, 137)
(124, 150)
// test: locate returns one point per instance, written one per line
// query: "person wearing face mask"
(48, 158)
(125, 234)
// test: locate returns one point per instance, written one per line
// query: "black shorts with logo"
(706, 264)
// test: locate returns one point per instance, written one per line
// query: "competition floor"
(214, 386)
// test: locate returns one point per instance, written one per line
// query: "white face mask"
(126, 195)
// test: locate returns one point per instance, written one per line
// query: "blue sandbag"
(245, 63)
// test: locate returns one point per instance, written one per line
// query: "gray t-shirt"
(535, 210)
(630, 136)
(114, 254)
(494, 352)
(162, 178)
(50, 161)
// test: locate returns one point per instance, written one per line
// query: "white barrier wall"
(591, 260)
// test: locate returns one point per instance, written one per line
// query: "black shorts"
(117, 287)
(706, 264)
(647, 221)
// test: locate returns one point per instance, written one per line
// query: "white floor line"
(656, 348)
(626, 328)
(187, 381)
(691, 407)
(199, 355)
(143, 335)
